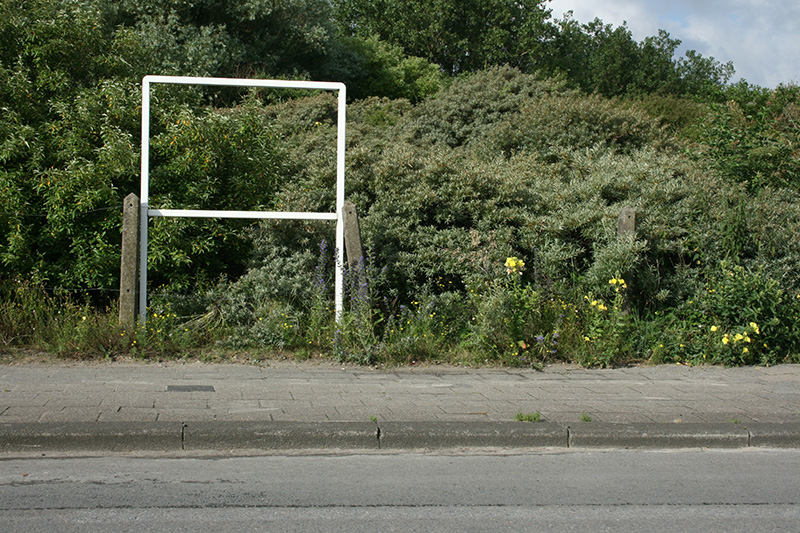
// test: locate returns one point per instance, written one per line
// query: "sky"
(760, 37)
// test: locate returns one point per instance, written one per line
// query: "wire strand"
(18, 214)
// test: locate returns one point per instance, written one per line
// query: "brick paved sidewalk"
(326, 392)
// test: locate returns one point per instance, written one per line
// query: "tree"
(657, 71)
(704, 76)
(53, 55)
(459, 35)
(384, 70)
(598, 57)
(224, 38)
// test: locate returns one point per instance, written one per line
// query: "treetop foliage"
(467, 36)
(466, 74)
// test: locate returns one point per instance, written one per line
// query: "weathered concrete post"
(626, 229)
(626, 223)
(352, 235)
(352, 244)
(129, 262)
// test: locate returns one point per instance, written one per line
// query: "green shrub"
(357, 334)
(677, 114)
(387, 72)
(513, 322)
(740, 317)
(753, 137)
(608, 329)
(424, 330)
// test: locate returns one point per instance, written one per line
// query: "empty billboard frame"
(146, 213)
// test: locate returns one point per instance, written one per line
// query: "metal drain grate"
(190, 388)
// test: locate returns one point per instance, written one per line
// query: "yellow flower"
(514, 264)
(725, 340)
(618, 281)
(745, 350)
(602, 307)
(755, 328)
(714, 328)
(738, 337)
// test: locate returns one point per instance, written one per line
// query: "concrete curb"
(408, 435)
(280, 435)
(118, 437)
(89, 436)
(774, 435)
(654, 435)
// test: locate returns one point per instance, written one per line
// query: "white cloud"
(640, 18)
(761, 37)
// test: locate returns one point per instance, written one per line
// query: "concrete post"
(129, 262)
(352, 245)
(352, 235)
(626, 223)
(626, 229)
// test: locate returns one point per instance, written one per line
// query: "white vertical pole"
(144, 199)
(340, 149)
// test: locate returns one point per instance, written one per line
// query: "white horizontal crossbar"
(240, 82)
(199, 213)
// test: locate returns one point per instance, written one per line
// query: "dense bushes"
(753, 137)
(443, 206)
(488, 201)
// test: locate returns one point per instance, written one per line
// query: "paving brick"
(128, 414)
(71, 414)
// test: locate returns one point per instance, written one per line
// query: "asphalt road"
(731, 490)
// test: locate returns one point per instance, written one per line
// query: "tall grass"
(56, 322)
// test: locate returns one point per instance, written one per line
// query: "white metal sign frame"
(146, 212)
